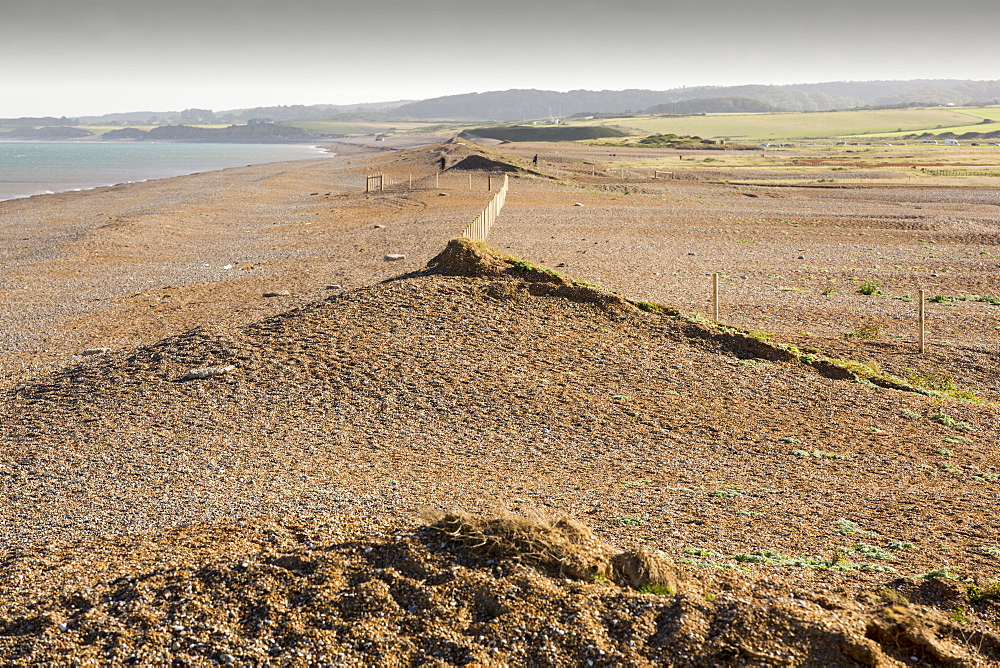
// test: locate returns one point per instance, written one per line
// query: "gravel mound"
(318, 592)
(479, 162)
(462, 257)
(268, 514)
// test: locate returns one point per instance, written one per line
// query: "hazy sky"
(83, 57)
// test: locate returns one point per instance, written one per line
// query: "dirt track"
(493, 394)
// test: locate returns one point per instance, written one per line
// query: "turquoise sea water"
(34, 168)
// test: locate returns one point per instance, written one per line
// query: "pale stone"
(200, 373)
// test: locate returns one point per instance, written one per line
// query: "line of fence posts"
(921, 312)
(379, 182)
(480, 228)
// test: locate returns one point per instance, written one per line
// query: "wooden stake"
(715, 296)
(437, 180)
(920, 317)
(411, 181)
(489, 182)
(470, 180)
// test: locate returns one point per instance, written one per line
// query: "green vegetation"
(900, 545)
(757, 126)
(848, 528)
(672, 141)
(835, 563)
(871, 374)
(527, 267)
(659, 590)
(932, 380)
(725, 493)
(705, 563)
(819, 454)
(651, 307)
(948, 421)
(629, 520)
(869, 330)
(871, 287)
(946, 299)
(989, 590)
(942, 573)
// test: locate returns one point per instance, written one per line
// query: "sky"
(89, 57)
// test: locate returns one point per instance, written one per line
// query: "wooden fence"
(480, 228)
(958, 172)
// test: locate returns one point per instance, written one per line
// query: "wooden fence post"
(715, 296)
(920, 318)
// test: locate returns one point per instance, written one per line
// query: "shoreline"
(125, 265)
(52, 187)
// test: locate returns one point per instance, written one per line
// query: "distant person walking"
(534, 160)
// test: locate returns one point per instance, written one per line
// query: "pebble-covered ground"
(271, 510)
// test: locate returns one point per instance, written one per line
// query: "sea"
(36, 168)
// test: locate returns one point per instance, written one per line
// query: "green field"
(808, 125)
(332, 128)
(992, 113)
(341, 128)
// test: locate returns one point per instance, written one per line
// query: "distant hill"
(522, 104)
(518, 104)
(38, 121)
(262, 132)
(46, 132)
(715, 105)
(278, 114)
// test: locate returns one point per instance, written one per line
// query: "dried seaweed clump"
(644, 570)
(564, 547)
(907, 631)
